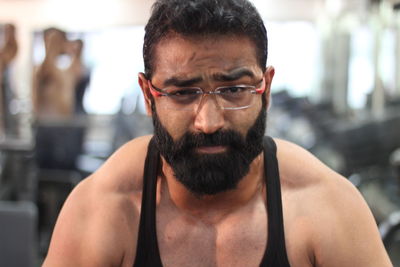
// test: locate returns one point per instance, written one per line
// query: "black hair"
(203, 18)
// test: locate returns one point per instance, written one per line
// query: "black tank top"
(147, 252)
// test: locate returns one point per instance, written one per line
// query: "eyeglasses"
(231, 97)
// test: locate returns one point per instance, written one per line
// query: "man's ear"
(144, 85)
(268, 76)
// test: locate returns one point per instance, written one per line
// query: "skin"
(326, 221)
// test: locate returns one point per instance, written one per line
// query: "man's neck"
(214, 207)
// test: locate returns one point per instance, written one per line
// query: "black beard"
(209, 174)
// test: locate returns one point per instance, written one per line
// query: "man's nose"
(209, 116)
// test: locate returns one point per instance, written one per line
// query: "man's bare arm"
(350, 237)
(82, 236)
(342, 229)
(99, 222)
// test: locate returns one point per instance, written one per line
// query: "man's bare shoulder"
(123, 171)
(326, 206)
(316, 186)
(299, 168)
(99, 221)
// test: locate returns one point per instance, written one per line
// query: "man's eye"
(232, 89)
(185, 92)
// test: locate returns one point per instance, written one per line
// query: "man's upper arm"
(348, 233)
(78, 239)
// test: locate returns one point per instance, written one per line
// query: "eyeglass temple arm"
(261, 89)
(154, 92)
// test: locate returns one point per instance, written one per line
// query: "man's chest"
(238, 240)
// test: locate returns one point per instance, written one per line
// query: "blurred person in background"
(208, 188)
(8, 51)
(55, 81)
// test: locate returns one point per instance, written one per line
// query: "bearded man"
(208, 189)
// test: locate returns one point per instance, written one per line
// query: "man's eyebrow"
(182, 82)
(233, 76)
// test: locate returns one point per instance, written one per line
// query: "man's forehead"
(205, 39)
(186, 57)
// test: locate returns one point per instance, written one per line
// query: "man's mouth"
(211, 149)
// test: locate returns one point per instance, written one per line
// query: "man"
(8, 51)
(206, 190)
(54, 86)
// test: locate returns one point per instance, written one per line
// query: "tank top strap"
(147, 252)
(275, 254)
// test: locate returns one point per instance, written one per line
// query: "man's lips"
(211, 149)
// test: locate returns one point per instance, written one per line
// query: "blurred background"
(69, 98)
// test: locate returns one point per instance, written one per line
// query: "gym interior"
(336, 93)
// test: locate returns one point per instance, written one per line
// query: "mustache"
(229, 138)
